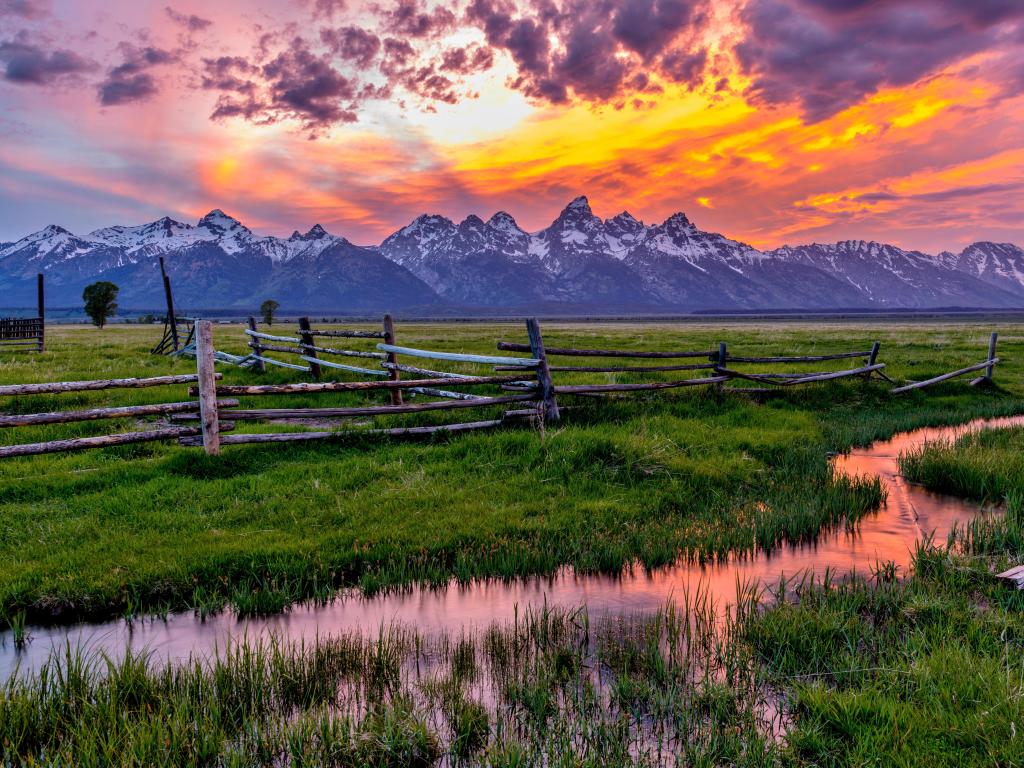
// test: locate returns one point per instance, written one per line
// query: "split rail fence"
(523, 387)
(27, 334)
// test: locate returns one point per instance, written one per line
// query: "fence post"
(172, 319)
(254, 345)
(991, 355)
(207, 387)
(872, 357)
(42, 311)
(393, 373)
(547, 386)
(308, 344)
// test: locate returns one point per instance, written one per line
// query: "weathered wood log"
(617, 368)
(799, 358)
(573, 352)
(437, 374)
(281, 364)
(351, 353)
(57, 387)
(12, 343)
(351, 334)
(791, 380)
(581, 389)
(305, 333)
(271, 337)
(350, 386)
(101, 441)
(946, 376)
(207, 387)
(460, 357)
(546, 387)
(289, 437)
(92, 414)
(446, 393)
(393, 373)
(254, 343)
(343, 367)
(258, 414)
(260, 348)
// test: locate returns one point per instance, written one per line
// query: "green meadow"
(920, 669)
(646, 478)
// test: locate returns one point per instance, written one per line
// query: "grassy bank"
(924, 671)
(700, 473)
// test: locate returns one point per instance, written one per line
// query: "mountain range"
(579, 264)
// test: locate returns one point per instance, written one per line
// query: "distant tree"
(267, 309)
(100, 302)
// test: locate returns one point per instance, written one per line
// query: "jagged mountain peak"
(472, 222)
(504, 221)
(579, 204)
(677, 220)
(219, 222)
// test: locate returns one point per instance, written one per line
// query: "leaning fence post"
(307, 344)
(547, 386)
(872, 357)
(254, 345)
(207, 387)
(722, 355)
(393, 373)
(991, 355)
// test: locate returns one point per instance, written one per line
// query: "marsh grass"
(926, 670)
(551, 687)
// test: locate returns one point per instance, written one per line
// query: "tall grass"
(549, 688)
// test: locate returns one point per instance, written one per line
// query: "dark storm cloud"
(131, 80)
(826, 55)
(191, 22)
(27, 63)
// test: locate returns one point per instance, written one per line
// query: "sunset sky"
(772, 121)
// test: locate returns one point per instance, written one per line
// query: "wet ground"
(910, 514)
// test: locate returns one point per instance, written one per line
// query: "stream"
(910, 514)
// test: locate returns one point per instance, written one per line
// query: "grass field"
(646, 478)
(922, 671)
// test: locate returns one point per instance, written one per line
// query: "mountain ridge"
(579, 262)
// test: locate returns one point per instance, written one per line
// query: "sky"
(772, 121)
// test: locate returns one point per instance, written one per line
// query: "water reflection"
(910, 514)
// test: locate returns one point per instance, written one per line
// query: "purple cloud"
(295, 84)
(190, 21)
(826, 55)
(27, 63)
(352, 43)
(412, 18)
(131, 80)
(26, 9)
(602, 47)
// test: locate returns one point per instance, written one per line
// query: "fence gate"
(25, 334)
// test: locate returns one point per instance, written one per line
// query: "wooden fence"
(524, 387)
(26, 334)
(160, 432)
(532, 376)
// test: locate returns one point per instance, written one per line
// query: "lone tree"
(100, 302)
(267, 309)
